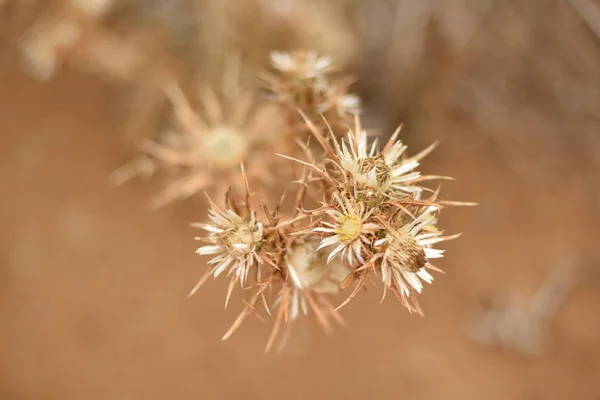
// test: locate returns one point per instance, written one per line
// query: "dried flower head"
(265, 250)
(304, 80)
(205, 151)
(376, 172)
(312, 279)
(237, 240)
(234, 241)
(407, 255)
(350, 232)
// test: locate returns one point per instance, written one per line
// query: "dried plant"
(374, 220)
(306, 81)
(360, 212)
(203, 150)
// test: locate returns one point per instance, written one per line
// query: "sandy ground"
(93, 286)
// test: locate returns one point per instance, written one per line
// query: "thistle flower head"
(377, 172)
(311, 280)
(304, 80)
(407, 254)
(212, 144)
(234, 242)
(350, 230)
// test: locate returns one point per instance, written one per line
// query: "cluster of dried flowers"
(359, 211)
(369, 217)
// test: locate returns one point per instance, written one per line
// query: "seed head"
(234, 242)
(374, 172)
(209, 146)
(407, 255)
(303, 80)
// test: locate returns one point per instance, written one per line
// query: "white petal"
(211, 228)
(380, 242)
(335, 252)
(433, 240)
(295, 306)
(413, 281)
(204, 250)
(427, 235)
(357, 247)
(295, 276)
(394, 153)
(222, 267)
(372, 178)
(425, 275)
(371, 226)
(406, 178)
(404, 168)
(434, 253)
(325, 230)
(328, 242)
(400, 281)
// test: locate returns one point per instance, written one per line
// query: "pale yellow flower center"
(225, 147)
(241, 235)
(350, 227)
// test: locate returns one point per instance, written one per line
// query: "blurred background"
(93, 286)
